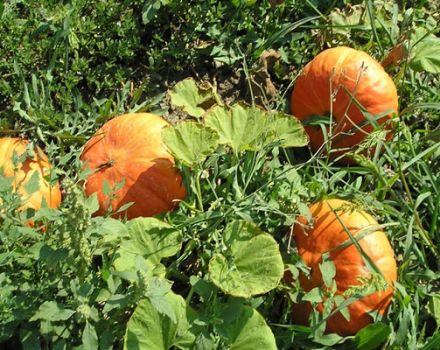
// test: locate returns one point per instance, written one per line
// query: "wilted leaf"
(343, 20)
(190, 142)
(252, 264)
(192, 98)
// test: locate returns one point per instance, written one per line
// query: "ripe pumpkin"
(332, 83)
(324, 235)
(25, 170)
(128, 149)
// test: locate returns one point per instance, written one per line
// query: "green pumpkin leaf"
(157, 292)
(192, 98)
(251, 265)
(245, 329)
(152, 330)
(288, 130)
(190, 142)
(250, 128)
(426, 55)
(243, 128)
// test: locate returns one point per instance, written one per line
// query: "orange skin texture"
(326, 234)
(24, 171)
(332, 73)
(129, 148)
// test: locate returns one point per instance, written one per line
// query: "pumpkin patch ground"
(225, 175)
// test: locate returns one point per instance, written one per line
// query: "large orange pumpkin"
(336, 82)
(37, 163)
(324, 235)
(128, 154)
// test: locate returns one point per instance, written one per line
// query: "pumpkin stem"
(105, 165)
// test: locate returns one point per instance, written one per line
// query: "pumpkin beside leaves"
(350, 87)
(131, 165)
(29, 169)
(363, 263)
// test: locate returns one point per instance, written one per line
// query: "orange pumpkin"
(128, 154)
(325, 234)
(336, 82)
(25, 170)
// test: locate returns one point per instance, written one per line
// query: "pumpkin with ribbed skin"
(325, 234)
(25, 170)
(336, 82)
(127, 153)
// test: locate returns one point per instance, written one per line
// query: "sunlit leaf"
(245, 329)
(288, 130)
(246, 128)
(150, 239)
(426, 55)
(252, 263)
(190, 142)
(191, 97)
(243, 128)
(152, 330)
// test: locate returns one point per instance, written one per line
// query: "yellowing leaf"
(192, 98)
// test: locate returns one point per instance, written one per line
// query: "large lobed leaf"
(252, 264)
(190, 142)
(245, 329)
(246, 128)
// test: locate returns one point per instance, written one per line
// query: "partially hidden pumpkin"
(327, 234)
(343, 83)
(23, 164)
(127, 155)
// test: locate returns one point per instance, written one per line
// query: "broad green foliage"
(148, 329)
(245, 329)
(244, 129)
(148, 238)
(250, 128)
(187, 279)
(251, 263)
(190, 142)
(149, 241)
(426, 56)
